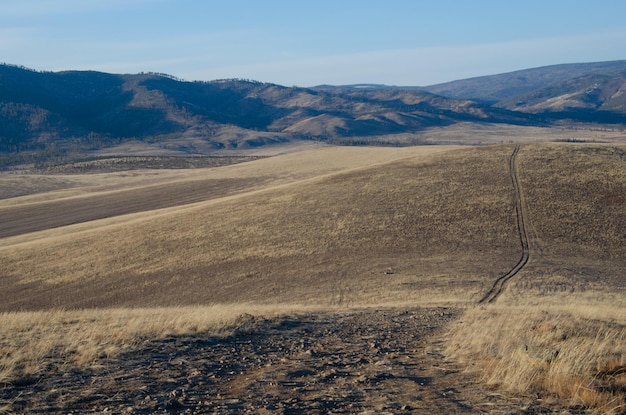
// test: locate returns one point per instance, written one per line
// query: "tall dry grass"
(35, 343)
(573, 353)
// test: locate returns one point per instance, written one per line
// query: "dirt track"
(500, 283)
(373, 361)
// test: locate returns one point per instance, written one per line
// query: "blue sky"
(308, 43)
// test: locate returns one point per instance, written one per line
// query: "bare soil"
(361, 361)
(128, 163)
(35, 217)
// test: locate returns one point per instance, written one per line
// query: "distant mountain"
(52, 113)
(586, 88)
(41, 110)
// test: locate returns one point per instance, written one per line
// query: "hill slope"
(334, 226)
(43, 110)
(594, 90)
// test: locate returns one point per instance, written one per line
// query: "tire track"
(495, 291)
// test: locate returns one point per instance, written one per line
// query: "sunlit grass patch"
(552, 351)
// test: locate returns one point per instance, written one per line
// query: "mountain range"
(54, 112)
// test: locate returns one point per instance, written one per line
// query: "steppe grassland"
(558, 329)
(281, 168)
(43, 341)
(442, 222)
(485, 133)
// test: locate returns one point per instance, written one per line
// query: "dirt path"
(495, 291)
(373, 361)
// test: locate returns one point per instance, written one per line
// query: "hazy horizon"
(348, 42)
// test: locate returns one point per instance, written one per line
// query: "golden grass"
(433, 215)
(348, 227)
(559, 329)
(44, 342)
(331, 224)
(564, 349)
(284, 168)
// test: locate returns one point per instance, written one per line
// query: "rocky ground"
(352, 362)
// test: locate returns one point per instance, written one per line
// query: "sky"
(308, 43)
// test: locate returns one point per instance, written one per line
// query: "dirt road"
(520, 213)
(367, 361)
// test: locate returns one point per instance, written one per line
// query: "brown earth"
(386, 361)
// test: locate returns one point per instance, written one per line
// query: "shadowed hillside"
(48, 117)
(79, 111)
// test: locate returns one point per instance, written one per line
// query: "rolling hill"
(346, 223)
(43, 110)
(585, 91)
(64, 115)
(350, 274)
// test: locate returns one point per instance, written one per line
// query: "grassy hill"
(352, 223)
(276, 265)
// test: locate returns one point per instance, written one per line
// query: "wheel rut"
(499, 285)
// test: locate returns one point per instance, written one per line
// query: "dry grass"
(472, 133)
(344, 227)
(564, 351)
(559, 329)
(45, 342)
(433, 215)
(576, 198)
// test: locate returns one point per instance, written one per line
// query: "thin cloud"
(30, 8)
(424, 66)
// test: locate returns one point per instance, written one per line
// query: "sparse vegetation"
(332, 229)
(40, 343)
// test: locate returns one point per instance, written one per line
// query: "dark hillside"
(40, 107)
(73, 113)
(83, 110)
(229, 102)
